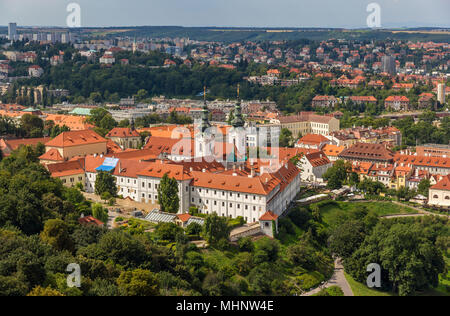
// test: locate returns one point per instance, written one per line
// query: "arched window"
(447, 197)
(435, 196)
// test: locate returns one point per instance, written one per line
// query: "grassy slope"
(360, 289)
(331, 212)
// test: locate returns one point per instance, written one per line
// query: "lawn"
(331, 211)
(360, 289)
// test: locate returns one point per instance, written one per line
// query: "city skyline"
(232, 13)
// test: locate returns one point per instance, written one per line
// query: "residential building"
(309, 123)
(35, 71)
(439, 194)
(368, 153)
(70, 172)
(324, 101)
(396, 103)
(433, 150)
(313, 166)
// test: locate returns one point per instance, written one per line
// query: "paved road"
(337, 279)
(419, 210)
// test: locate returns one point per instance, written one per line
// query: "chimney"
(191, 169)
(203, 170)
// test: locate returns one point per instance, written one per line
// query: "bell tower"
(204, 139)
(237, 134)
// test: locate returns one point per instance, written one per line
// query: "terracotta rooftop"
(444, 184)
(122, 132)
(52, 155)
(76, 138)
(367, 151)
(313, 139)
(268, 216)
(67, 168)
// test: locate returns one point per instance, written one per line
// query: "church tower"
(237, 135)
(204, 139)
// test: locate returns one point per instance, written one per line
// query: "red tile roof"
(367, 151)
(76, 138)
(67, 168)
(444, 184)
(313, 139)
(52, 155)
(90, 220)
(123, 132)
(184, 217)
(268, 216)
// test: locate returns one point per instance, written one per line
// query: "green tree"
(215, 229)
(56, 234)
(168, 231)
(138, 283)
(41, 291)
(99, 212)
(424, 187)
(105, 182)
(286, 138)
(346, 238)
(337, 175)
(168, 195)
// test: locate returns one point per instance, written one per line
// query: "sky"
(232, 13)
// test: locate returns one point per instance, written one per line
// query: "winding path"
(337, 279)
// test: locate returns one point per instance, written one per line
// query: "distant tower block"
(388, 65)
(441, 93)
(12, 31)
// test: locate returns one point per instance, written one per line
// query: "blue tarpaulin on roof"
(108, 164)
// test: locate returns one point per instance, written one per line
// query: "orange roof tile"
(76, 138)
(268, 216)
(52, 155)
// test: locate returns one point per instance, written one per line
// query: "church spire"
(205, 114)
(238, 121)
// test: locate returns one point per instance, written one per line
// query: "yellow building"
(309, 123)
(69, 172)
